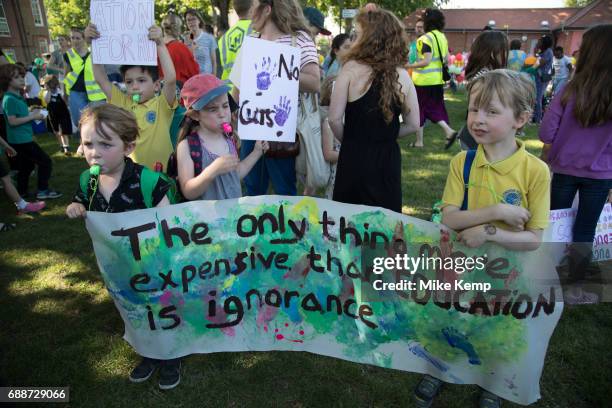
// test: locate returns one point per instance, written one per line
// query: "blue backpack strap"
(467, 168)
(195, 151)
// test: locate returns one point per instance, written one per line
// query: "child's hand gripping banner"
(305, 274)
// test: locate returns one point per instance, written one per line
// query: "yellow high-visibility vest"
(432, 73)
(8, 58)
(230, 44)
(94, 92)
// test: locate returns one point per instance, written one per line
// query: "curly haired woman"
(371, 91)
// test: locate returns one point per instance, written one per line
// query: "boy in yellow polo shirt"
(505, 197)
(508, 191)
(153, 113)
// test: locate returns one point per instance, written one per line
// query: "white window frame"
(4, 21)
(36, 10)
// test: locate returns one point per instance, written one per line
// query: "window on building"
(43, 45)
(37, 13)
(4, 27)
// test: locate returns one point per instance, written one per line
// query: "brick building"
(565, 25)
(24, 33)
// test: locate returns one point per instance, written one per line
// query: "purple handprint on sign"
(264, 77)
(282, 111)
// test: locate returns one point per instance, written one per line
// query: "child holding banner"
(578, 126)
(208, 163)
(498, 193)
(154, 113)
(109, 136)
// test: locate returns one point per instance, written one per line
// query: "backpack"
(148, 181)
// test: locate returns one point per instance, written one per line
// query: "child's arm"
(193, 187)
(91, 33)
(410, 105)
(76, 210)
(245, 166)
(327, 143)
(513, 215)
(169, 90)
(339, 98)
(474, 237)
(15, 121)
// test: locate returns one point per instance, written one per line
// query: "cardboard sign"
(289, 273)
(602, 242)
(124, 27)
(269, 82)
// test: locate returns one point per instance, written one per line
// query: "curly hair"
(287, 15)
(382, 45)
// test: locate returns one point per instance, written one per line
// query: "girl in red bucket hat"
(208, 163)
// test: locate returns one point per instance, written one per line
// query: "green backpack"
(148, 181)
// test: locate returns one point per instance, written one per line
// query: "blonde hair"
(117, 120)
(287, 15)
(515, 90)
(172, 24)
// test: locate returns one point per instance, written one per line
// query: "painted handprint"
(264, 73)
(282, 111)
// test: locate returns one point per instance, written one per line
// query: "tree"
(577, 3)
(400, 7)
(63, 14)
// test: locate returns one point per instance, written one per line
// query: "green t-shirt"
(15, 105)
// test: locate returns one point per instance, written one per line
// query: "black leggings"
(30, 155)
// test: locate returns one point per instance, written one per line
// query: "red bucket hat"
(200, 89)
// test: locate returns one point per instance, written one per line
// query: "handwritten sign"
(289, 273)
(269, 81)
(123, 27)
(602, 242)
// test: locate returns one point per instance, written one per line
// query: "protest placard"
(563, 222)
(269, 82)
(288, 273)
(124, 27)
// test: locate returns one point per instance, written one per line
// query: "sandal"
(426, 390)
(451, 140)
(489, 400)
(6, 227)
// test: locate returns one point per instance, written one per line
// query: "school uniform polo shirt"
(15, 105)
(521, 179)
(154, 118)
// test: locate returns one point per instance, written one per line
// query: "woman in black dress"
(371, 91)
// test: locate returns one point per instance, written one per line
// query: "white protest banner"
(269, 91)
(298, 274)
(124, 27)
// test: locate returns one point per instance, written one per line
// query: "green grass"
(59, 327)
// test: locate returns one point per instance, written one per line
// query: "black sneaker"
(169, 374)
(144, 370)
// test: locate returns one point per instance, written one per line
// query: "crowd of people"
(172, 123)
